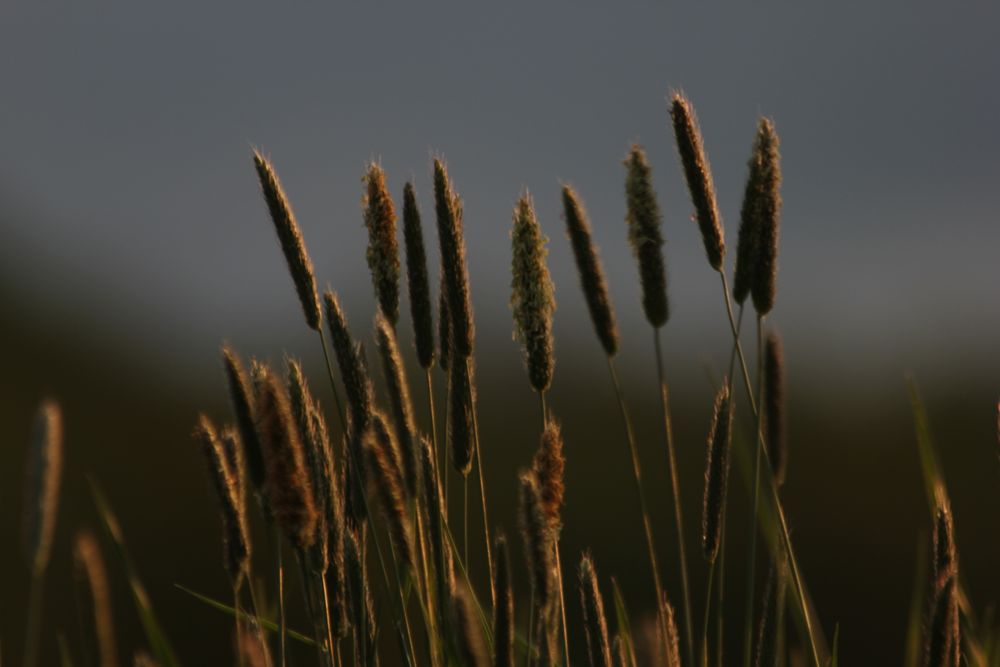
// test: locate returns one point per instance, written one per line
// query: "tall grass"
(315, 484)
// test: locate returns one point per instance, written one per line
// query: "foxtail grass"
(90, 568)
(383, 251)
(594, 620)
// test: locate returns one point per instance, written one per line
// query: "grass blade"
(266, 624)
(158, 641)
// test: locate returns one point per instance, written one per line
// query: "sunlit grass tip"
(383, 249)
(41, 491)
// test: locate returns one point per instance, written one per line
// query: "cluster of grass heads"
(358, 507)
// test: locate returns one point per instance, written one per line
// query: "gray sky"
(127, 195)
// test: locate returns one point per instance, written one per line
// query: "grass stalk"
(637, 473)
(239, 630)
(779, 508)
(754, 505)
(32, 631)
(675, 488)
(482, 489)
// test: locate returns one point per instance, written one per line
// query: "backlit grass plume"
(549, 468)
(503, 612)
(351, 361)
(290, 237)
(532, 294)
(770, 625)
(383, 250)
(768, 211)
(444, 326)
(382, 462)
(645, 235)
(417, 279)
(41, 490)
(699, 178)
(774, 406)
(286, 483)
(468, 632)
(227, 483)
(451, 238)
(716, 474)
(588, 265)
(538, 537)
(398, 391)
(594, 621)
(90, 568)
(461, 397)
(242, 401)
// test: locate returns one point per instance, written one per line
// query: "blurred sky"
(128, 201)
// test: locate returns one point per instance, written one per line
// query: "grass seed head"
(538, 538)
(774, 406)
(241, 397)
(588, 265)
(698, 174)
(351, 361)
(382, 460)
(41, 489)
(643, 219)
(451, 237)
(468, 632)
(716, 474)
(90, 568)
(399, 399)
(594, 620)
(287, 483)
(444, 326)
(462, 403)
(549, 466)
(290, 237)
(383, 250)
(417, 279)
(768, 210)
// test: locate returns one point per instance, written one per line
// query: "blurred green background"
(133, 241)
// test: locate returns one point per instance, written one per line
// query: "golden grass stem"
(432, 414)
(281, 595)
(708, 608)
(482, 488)
(637, 473)
(779, 508)
(675, 488)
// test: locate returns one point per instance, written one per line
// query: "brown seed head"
(643, 219)
(90, 569)
(351, 361)
(588, 265)
(774, 406)
(532, 296)
(41, 489)
(399, 399)
(286, 482)
(382, 461)
(462, 403)
(768, 650)
(417, 279)
(242, 401)
(699, 178)
(383, 250)
(451, 237)
(768, 211)
(549, 466)
(468, 633)
(594, 621)
(673, 657)
(716, 474)
(538, 537)
(503, 611)
(290, 238)
(444, 325)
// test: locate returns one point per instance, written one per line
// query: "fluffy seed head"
(242, 401)
(290, 238)
(383, 251)
(594, 621)
(774, 406)
(643, 219)
(749, 233)
(434, 509)
(588, 265)
(399, 400)
(90, 568)
(768, 649)
(383, 466)
(716, 474)
(461, 402)
(699, 178)
(673, 657)
(41, 489)
(503, 611)
(416, 274)
(469, 636)
(942, 644)
(451, 237)
(444, 325)
(768, 210)
(538, 538)
(286, 481)
(532, 296)
(351, 361)
(549, 466)
(226, 481)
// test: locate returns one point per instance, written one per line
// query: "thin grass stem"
(239, 631)
(754, 505)
(482, 489)
(675, 488)
(708, 608)
(637, 473)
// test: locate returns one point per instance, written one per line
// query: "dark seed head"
(383, 250)
(290, 237)
(643, 218)
(588, 265)
(716, 474)
(242, 401)
(462, 403)
(451, 237)
(399, 400)
(382, 461)
(532, 296)
(444, 326)
(774, 406)
(549, 467)
(351, 361)
(416, 273)
(768, 210)
(538, 537)
(503, 611)
(594, 621)
(699, 178)
(41, 489)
